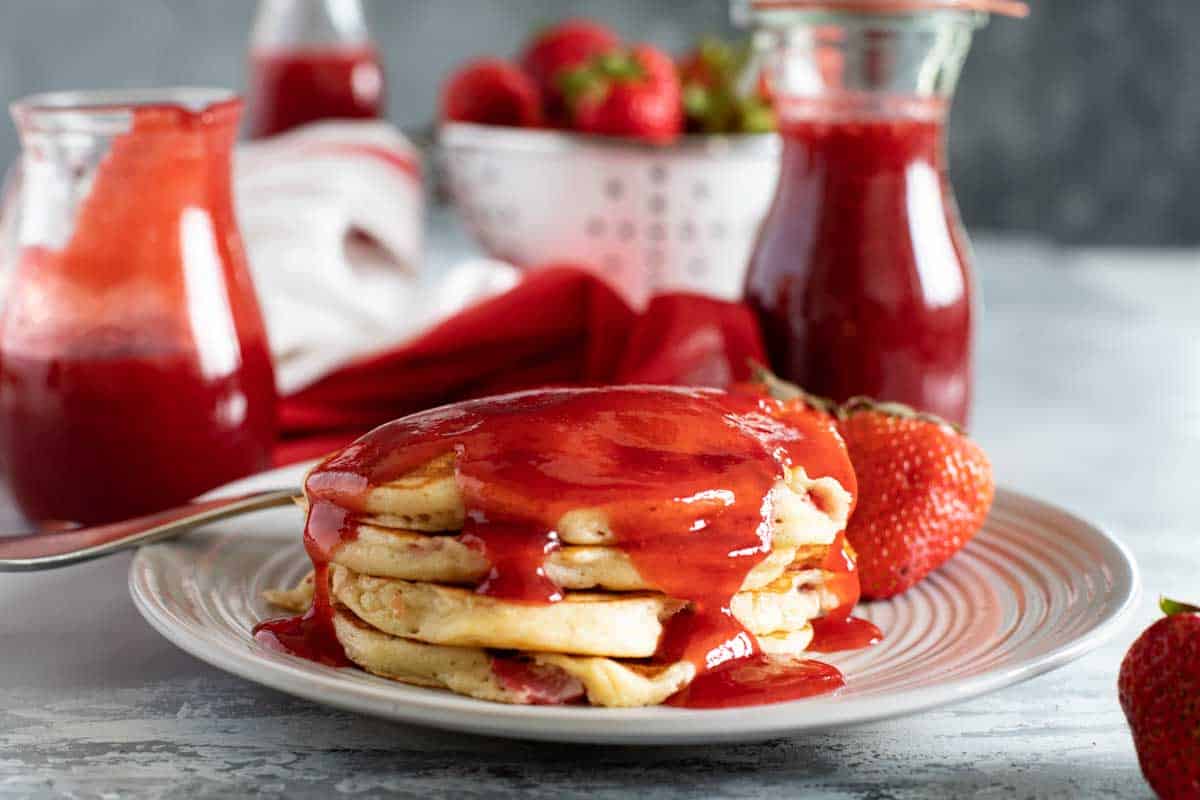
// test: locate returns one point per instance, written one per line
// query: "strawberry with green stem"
(633, 93)
(562, 47)
(1159, 689)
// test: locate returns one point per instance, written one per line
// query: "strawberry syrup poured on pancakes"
(681, 476)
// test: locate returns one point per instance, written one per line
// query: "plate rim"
(585, 725)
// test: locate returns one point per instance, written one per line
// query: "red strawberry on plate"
(561, 47)
(632, 93)
(924, 490)
(1159, 687)
(490, 91)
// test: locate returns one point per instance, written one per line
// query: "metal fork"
(51, 549)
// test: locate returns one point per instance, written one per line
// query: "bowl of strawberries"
(652, 171)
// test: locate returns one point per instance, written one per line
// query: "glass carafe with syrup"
(861, 276)
(134, 368)
(311, 60)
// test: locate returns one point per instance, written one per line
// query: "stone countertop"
(1088, 396)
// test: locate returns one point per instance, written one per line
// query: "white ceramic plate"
(1035, 589)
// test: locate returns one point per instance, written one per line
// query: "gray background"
(1081, 123)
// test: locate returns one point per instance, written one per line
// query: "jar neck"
(79, 128)
(284, 24)
(840, 65)
(122, 158)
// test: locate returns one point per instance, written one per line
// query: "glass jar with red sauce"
(861, 276)
(311, 60)
(134, 368)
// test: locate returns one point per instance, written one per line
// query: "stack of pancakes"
(405, 605)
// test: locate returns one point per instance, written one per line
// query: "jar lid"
(1008, 8)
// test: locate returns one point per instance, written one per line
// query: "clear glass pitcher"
(311, 60)
(861, 275)
(134, 368)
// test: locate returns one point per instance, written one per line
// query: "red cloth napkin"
(560, 325)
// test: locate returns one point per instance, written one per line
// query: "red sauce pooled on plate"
(759, 681)
(681, 475)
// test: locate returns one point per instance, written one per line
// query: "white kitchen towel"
(331, 214)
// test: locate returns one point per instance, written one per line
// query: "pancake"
(792, 643)
(393, 541)
(625, 625)
(414, 556)
(786, 605)
(465, 670)
(771, 602)
(622, 625)
(470, 670)
(617, 684)
(297, 599)
(539, 678)
(427, 499)
(385, 558)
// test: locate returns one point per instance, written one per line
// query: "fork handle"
(28, 552)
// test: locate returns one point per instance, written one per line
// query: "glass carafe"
(134, 368)
(861, 276)
(311, 60)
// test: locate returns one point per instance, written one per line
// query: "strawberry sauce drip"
(311, 635)
(831, 634)
(682, 478)
(759, 681)
(842, 580)
(512, 551)
(837, 630)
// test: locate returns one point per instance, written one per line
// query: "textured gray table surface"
(1088, 395)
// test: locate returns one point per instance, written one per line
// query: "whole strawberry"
(561, 47)
(1159, 687)
(490, 91)
(924, 490)
(632, 93)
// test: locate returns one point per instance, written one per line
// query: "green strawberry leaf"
(697, 102)
(578, 83)
(1170, 607)
(779, 389)
(722, 114)
(756, 116)
(619, 66)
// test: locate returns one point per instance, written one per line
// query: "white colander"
(646, 218)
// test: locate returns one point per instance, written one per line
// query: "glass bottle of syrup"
(311, 60)
(861, 277)
(134, 367)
